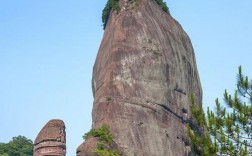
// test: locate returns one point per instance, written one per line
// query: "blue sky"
(48, 48)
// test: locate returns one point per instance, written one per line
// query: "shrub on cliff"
(163, 6)
(111, 5)
(114, 5)
(105, 139)
(102, 133)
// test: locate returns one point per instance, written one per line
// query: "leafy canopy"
(230, 125)
(18, 146)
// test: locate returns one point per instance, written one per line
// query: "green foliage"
(105, 138)
(114, 5)
(111, 5)
(103, 134)
(105, 152)
(230, 125)
(18, 146)
(201, 142)
(163, 6)
(101, 150)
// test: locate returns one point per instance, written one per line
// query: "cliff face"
(143, 77)
(51, 140)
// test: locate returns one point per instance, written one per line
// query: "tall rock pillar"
(51, 140)
(143, 77)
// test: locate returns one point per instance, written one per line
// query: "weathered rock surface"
(51, 140)
(143, 77)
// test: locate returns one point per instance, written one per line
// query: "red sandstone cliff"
(51, 140)
(143, 76)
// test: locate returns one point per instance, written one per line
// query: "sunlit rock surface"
(51, 140)
(143, 77)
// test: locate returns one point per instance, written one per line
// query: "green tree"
(18, 146)
(114, 5)
(230, 125)
(163, 6)
(111, 5)
(201, 142)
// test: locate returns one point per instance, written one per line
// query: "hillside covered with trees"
(18, 146)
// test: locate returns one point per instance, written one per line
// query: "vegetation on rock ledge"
(105, 139)
(111, 5)
(114, 5)
(163, 6)
(105, 152)
(103, 134)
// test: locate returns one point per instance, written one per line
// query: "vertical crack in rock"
(143, 76)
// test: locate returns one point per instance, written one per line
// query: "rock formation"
(143, 77)
(51, 140)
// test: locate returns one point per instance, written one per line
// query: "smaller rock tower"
(51, 140)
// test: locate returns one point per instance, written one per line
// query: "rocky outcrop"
(51, 140)
(143, 77)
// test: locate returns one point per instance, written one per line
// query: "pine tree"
(198, 132)
(229, 128)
